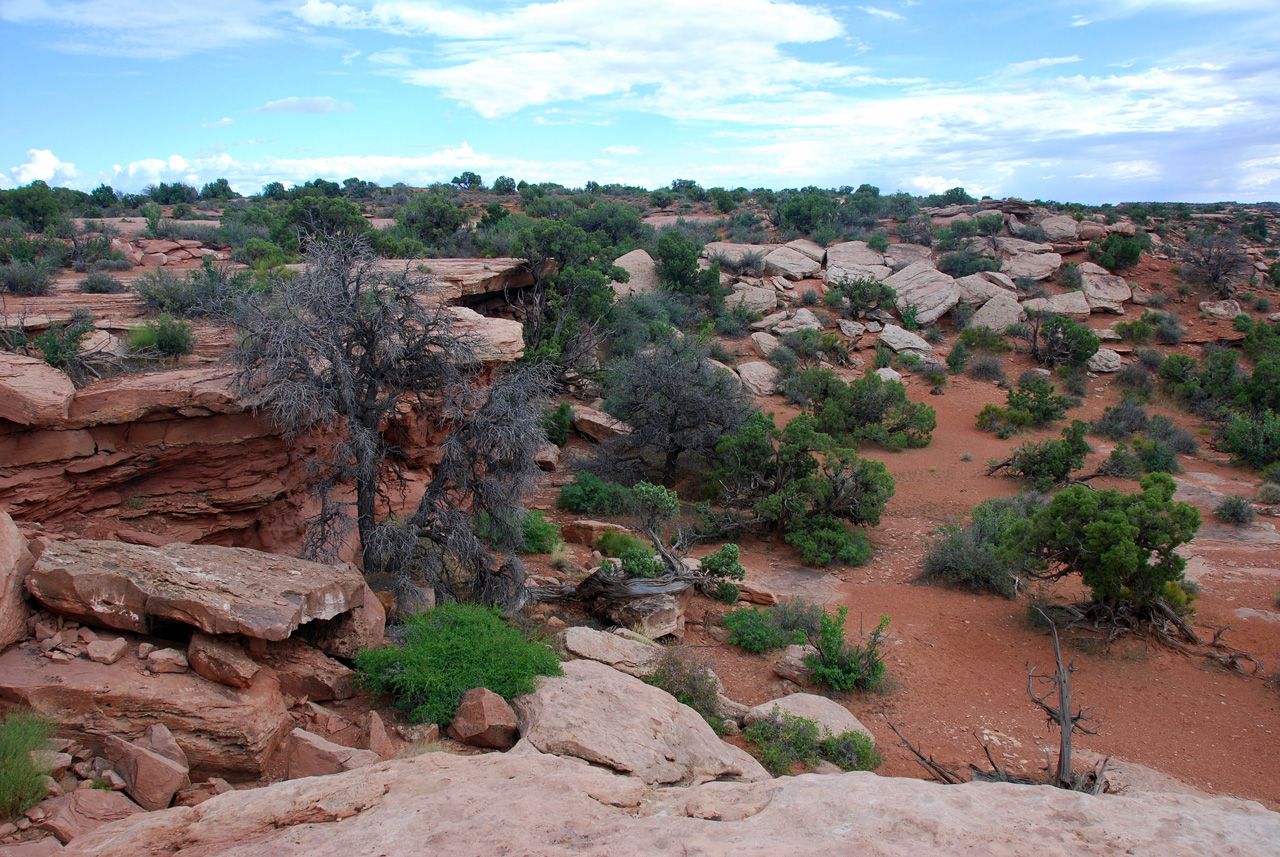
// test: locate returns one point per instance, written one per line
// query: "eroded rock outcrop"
(537, 804)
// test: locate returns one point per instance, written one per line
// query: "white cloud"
(669, 56)
(44, 165)
(307, 104)
(221, 123)
(348, 57)
(1017, 68)
(392, 58)
(142, 28)
(622, 150)
(881, 13)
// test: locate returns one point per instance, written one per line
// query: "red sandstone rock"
(221, 660)
(15, 561)
(219, 590)
(33, 393)
(362, 627)
(108, 651)
(150, 778)
(305, 672)
(167, 661)
(377, 738)
(79, 812)
(484, 719)
(312, 756)
(224, 731)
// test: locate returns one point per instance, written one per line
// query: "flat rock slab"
(1073, 304)
(831, 715)
(1105, 292)
(218, 590)
(998, 313)
(792, 264)
(503, 803)
(904, 340)
(758, 378)
(15, 560)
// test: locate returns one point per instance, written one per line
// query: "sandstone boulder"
(218, 590)
(1034, 266)
(735, 253)
(585, 532)
(484, 719)
(305, 672)
(853, 253)
(828, 714)
(33, 393)
(313, 756)
(803, 319)
(15, 561)
(792, 264)
(754, 299)
(764, 342)
(1021, 247)
(150, 778)
(1060, 229)
(923, 286)
(72, 815)
(998, 313)
(899, 256)
(755, 593)
(629, 656)
(758, 378)
(1072, 304)
(643, 271)
(597, 425)
(224, 731)
(851, 329)
(108, 651)
(791, 666)
(221, 660)
(1105, 361)
(1105, 292)
(167, 661)
(608, 718)
(885, 373)
(654, 616)
(904, 340)
(1224, 310)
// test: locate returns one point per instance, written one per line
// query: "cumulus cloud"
(672, 56)
(221, 123)
(44, 165)
(307, 104)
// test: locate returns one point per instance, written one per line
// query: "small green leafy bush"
(588, 494)
(449, 650)
(555, 423)
(724, 564)
(101, 283)
(614, 543)
(1235, 509)
(843, 666)
(783, 740)
(754, 630)
(171, 336)
(969, 555)
(27, 279)
(641, 562)
(821, 540)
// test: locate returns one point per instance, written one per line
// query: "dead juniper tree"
(1060, 714)
(353, 351)
(1216, 261)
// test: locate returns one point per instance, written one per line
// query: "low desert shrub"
(968, 556)
(27, 279)
(21, 779)
(761, 629)
(841, 665)
(689, 680)
(588, 494)
(449, 650)
(556, 421)
(784, 740)
(987, 367)
(101, 283)
(614, 543)
(1235, 509)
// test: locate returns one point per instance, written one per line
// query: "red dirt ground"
(957, 659)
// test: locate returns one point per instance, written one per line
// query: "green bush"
(784, 740)
(556, 421)
(1235, 509)
(822, 540)
(1050, 461)
(754, 630)
(614, 543)
(449, 650)
(724, 564)
(540, 535)
(60, 344)
(1122, 545)
(986, 367)
(984, 339)
(641, 562)
(1253, 440)
(1116, 252)
(878, 242)
(21, 780)
(1269, 493)
(958, 358)
(969, 556)
(588, 494)
(862, 295)
(101, 283)
(843, 666)
(171, 336)
(870, 409)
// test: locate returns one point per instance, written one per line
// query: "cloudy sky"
(1083, 100)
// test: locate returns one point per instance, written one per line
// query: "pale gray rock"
(764, 342)
(899, 256)
(643, 271)
(1072, 304)
(1105, 292)
(1224, 310)
(851, 329)
(812, 249)
(923, 286)
(1035, 266)
(888, 374)
(755, 299)
(758, 378)
(904, 340)
(804, 319)
(826, 713)
(1060, 229)
(1105, 361)
(792, 264)
(998, 313)
(1019, 247)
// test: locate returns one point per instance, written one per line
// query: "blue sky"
(1083, 100)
